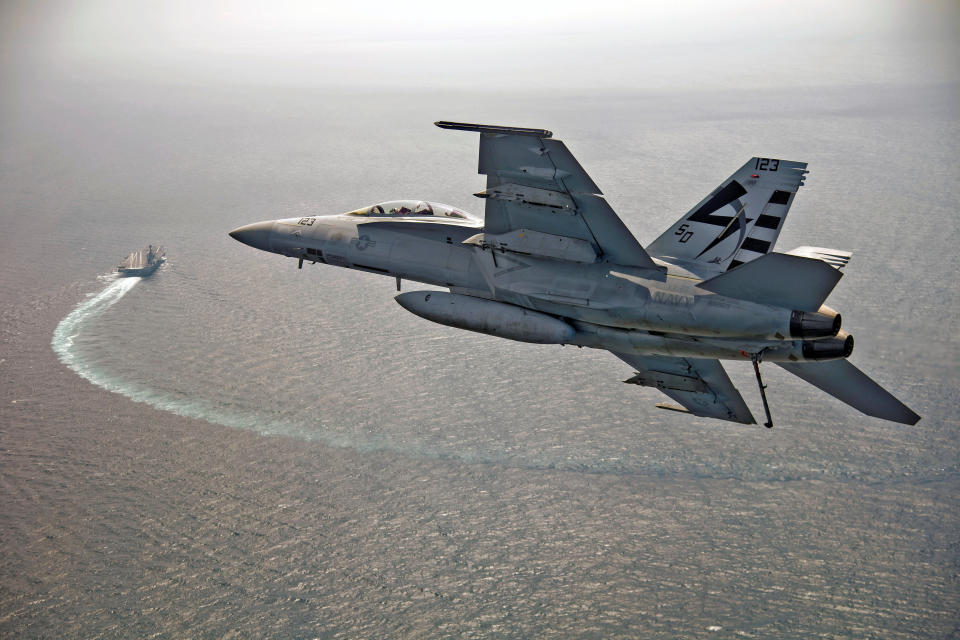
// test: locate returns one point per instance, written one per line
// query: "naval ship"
(142, 262)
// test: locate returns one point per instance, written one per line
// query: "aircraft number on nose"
(766, 164)
(306, 221)
(684, 233)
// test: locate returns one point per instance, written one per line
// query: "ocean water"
(324, 356)
(243, 338)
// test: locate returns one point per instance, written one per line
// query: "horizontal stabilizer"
(780, 280)
(836, 258)
(845, 382)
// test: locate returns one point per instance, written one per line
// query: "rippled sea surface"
(360, 471)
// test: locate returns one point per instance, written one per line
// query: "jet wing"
(699, 384)
(534, 183)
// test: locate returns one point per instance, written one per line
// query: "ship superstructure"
(142, 262)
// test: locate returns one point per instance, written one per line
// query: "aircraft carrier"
(142, 262)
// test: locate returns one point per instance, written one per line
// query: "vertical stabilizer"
(739, 221)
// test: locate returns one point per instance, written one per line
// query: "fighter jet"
(551, 263)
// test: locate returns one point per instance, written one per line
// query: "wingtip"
(494, 129)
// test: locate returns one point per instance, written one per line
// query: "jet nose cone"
(257, 235)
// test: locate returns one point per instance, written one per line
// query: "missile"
(486, 316)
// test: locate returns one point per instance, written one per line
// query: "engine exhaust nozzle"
(840, 346)
(815, 324)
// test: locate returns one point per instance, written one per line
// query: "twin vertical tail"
(739, 221)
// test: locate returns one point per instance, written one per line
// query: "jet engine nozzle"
(839, 346)
(814, 324)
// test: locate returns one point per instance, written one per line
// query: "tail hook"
(755, 358)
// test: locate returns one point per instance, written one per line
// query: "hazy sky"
(496, 43)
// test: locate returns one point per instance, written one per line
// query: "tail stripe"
(722, 198)
(780, 197)
(766, 221)
(762, 235)
(752, 244)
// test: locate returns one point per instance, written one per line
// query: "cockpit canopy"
(417, 208)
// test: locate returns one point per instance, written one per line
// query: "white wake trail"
(71, 326)
(70, 331)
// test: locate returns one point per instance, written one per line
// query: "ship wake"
(72, 326)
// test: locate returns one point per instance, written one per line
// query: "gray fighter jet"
(552, 263)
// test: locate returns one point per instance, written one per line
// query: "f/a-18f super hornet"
(552, 263)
